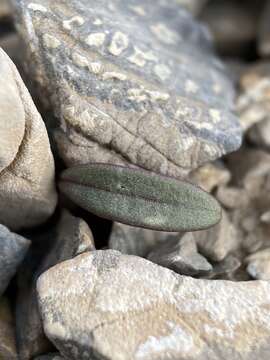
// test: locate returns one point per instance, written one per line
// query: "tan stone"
(122, 307)
(27, 188)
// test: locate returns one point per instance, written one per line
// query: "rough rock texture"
(145, 311)
(136, 241)
(73, 237)
(131, 83)
(253, 104)
(7, 332)
(27, 189)
(181, 255)
(13, 249)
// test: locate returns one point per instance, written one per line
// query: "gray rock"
(7, 332)
(181, 255)
(233, 25)
(13, 249)
(73, 237)
(225, 269)
(12, 45)
(263, 32)
(136, 110)
(129, 308)
(216, 243)
(136, 241)
(54, 356)
(258, 264)
(27, 188)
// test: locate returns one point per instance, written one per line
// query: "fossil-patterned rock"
(13, 249)
(27, 189)
(132, 83)
(73, 237)
(122, 307)
(7, 332)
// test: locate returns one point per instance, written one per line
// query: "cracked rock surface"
(157, 322)
(109, 68)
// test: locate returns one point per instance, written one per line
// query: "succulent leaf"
(140, 198)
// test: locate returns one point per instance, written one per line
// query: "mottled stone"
(7, 332)
(181, 255)
(13, 249)
(210, 176)
(253, 103)
(216, 243)
(258, 264)
(132, 83)
(73, 237)
(263, 32)
(27, 189)
(233, 25)
(145, 311)
(132, 240)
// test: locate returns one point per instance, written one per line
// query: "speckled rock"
(145, 311)
(132, 240)
(73, 237)
(27, 189)
(13, 249)
(216, 243)
(181, 255)
(258, 264)
(7, 332)
(132, 83)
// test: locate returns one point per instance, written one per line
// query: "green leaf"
(140, 198)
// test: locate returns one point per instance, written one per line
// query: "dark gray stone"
(72, 237)
(181, 255)
(132, 83)
(13, 250)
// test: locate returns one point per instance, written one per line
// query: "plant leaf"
(139, 197)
